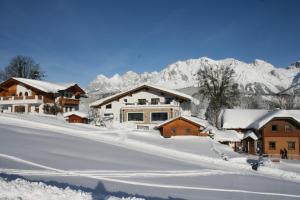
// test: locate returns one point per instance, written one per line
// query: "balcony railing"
(151, 104)
(64, 101)
(21, 99)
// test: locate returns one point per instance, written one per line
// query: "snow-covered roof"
(254, 119)
(250, 134)
(196, 120)
(226, 135)
(241, 118)
(124, 93)
(77, 113)
(44, 85)
(294, 114)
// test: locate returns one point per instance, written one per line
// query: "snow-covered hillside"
(57, 160)
(258, 76)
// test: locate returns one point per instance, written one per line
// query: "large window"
(291, 145)
(272, 145)
(142, 101)
(154, 101)
(135, 116)
(274, 128)
(159, 116)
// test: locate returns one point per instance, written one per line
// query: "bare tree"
(217, 85)
(24, 67)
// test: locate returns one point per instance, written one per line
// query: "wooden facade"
(19, 100)
(181, 127)
(281, 133)
(77, 119)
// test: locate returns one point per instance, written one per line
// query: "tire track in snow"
(74, 173)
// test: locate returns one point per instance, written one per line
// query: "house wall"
(181, 127)
(147, 114)
(183, 108)
(280, 137)
(22, 89)
(10, 92)
(76, 119)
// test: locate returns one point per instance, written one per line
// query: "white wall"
(148, 95)
(21, 88)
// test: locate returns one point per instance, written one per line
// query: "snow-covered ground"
(121, 161)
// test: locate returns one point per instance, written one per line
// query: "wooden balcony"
(64, 101)
(21, 99)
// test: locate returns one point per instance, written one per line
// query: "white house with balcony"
(28, 95)
(145, 104)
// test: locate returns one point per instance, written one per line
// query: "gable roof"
(292, 114)
(44, 86)
(77, 113)
(153, 87)
(254, 119)
(195, 120)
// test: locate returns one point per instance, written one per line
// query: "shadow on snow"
(98, 193)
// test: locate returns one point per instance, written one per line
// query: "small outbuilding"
(183, 125)
(76, 117)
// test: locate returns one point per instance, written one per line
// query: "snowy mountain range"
(256, 77)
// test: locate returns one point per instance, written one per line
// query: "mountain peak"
(258, 76)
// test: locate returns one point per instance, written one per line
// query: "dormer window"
(108, 106)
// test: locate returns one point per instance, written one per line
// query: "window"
(168, 100)
(135, 116)
(141, 101)
(154, 101)
(288, 128)
(125, 100)
(26, 94)
(274, 128)
(272, 145)
(159, 116)
(291, 145)
(108, 106)
(20, 94)
(108, 114)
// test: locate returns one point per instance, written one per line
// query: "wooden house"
(182, 126)
(76, 117)
(266, 131)
(28, 95)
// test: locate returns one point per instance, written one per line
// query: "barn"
(76, 117)
(183, 125)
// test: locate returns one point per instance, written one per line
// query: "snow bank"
(20, 189)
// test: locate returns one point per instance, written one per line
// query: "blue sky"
(74, 40)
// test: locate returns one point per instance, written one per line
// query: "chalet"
(183, 125)
(27, 95)
(145, 104)
(268, 131)
(76, 117)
